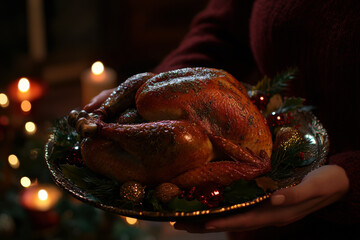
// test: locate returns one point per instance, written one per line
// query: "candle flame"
(25, 182)
(43, 194)
(24, 85)
(97, 68)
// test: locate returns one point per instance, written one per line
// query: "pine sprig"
(99, 187)
(293, 104)
(285, 160)
(277, 84)
(64, 138)
(63, 133)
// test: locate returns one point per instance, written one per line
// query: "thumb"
(97, 100)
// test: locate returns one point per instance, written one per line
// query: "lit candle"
(24, 89)
(95, 80)
(36, 29)
(40, 197)
(39, 201)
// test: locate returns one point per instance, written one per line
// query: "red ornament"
(74, 156)
(182, 194)
(191, 194)
(210, 194)
(278, 119)
(260, 100)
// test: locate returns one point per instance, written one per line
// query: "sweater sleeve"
(347, 210)
(218, 37)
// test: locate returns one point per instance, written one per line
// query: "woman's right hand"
(98, 100)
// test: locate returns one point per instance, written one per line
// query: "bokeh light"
(130, 220)
(14, 161)
(25, 106)
(4, 100)
(25, 182)
(97, 68)
(24, 85)
(30, 127)
(42, 194)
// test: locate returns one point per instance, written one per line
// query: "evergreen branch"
(292, 104)
(277, 84)
(285, 160)
(101, 188)
(64, 134)
(281, 80)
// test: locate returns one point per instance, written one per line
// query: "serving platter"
(315, 157)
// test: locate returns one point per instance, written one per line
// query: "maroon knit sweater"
(321, 38)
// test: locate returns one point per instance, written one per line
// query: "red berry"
(260, 100)
(74, 156)
(210, 194)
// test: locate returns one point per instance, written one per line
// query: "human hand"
(318, 189)
(98, 100)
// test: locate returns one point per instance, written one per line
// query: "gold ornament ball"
(132, 191)
(166, 191)
(287, 137)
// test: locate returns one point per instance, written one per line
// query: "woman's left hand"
(318, 189)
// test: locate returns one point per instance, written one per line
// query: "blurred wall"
(129, 35)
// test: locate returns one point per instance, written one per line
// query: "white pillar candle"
(95, 80)
(36, 29)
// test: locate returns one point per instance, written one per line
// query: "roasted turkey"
(187, 126)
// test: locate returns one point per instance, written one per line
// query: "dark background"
(131, 36)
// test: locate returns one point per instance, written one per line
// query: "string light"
(24, 85)
(25, 182)
(97, 68)
(14, 161)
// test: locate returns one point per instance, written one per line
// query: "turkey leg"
(165, 148)
(118, 101)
